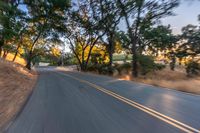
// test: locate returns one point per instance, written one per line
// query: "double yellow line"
(169, 120)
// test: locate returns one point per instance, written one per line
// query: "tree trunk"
(110, 56)
(134, 53)
(19, 45)
(173, 63)
(15, 56)
(73, 50)
(29, 60)
(0, 50)
(132, 37)
(1, 45)
(133, 49)
(140, 47)
(16, 53)
(83, 67)
(28, 65)
(89, 55)
(110, 50)
(134, 60)
(134, 41)
(5, 54)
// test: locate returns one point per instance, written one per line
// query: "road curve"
(72, 102)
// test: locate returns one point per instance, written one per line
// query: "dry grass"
(16, 83)
(169, 79)
(18, 59)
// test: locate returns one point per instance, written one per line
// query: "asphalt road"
(73, 102)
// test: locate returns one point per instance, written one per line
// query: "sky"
(186, 13)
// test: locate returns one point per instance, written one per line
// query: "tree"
(190, 41)
(124, 40)
(84, 29)
(82, 45)
(139, 12)
(10, 23)
(159, 39)
(44, 19)
(110, 17)
(19, 41)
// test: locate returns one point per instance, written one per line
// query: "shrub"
(159, 66)
(92, 68)
(100, 68)
(126, 67)
(103, 69)
(146, 64)
(192, 68)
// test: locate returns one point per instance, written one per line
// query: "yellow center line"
(167, 119)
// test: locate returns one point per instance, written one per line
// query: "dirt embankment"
(16, 83)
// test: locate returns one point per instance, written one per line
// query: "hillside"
(18, 59)
(16, 83)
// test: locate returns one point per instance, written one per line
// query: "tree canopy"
(91, 29)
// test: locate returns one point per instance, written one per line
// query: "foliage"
(84, 30)
(124, 40)
(91, 28)
(98, 54)
(191, 40)
(158, 38)
(123, 68)
(41, 27)
(105, 69)
(159, 66)
(110, 16)
(100, 68)
(11, 22)
(69, 59)
(192, 68)
(144, 13)
(146, 64)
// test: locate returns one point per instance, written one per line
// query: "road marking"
(167, 119)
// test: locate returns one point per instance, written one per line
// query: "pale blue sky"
(186, 13)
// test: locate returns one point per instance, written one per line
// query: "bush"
(92, 68)
(103, 69)
(100, 68)
(159, 66)
(192, 68)
(126, 67)
(146, 64)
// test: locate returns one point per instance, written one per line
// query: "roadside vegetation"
(40, 31)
